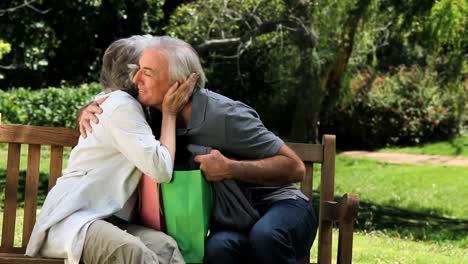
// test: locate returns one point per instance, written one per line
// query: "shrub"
(56, 107)
(403, 106)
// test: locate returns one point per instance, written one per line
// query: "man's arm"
(264, 158)
(283, 168)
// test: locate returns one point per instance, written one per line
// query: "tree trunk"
(308, 94)
(334, 73)
(308, 98)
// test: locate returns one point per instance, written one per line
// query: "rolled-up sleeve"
(247, 136)
(132, 136)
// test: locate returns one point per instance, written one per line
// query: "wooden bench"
(344, 212)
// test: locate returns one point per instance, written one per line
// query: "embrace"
(153, 97)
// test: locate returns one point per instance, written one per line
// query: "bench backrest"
(58, 138)
(34, 137)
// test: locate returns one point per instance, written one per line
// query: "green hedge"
(405, 106)
(56, 107)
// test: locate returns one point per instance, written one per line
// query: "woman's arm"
(174, 101)
(132, 136)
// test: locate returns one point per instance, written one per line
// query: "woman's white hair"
(119, 63)
(183, 59)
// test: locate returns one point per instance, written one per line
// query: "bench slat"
(13, 251)
(31, 189)
(39, 135)
(16, 259)
(11, 188)
(56, 157)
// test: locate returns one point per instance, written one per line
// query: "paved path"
(408, 158)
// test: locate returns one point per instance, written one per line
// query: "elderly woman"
(104, 170)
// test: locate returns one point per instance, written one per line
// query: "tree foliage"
(66, 39)
(316, 55)
(312, 45)
(446, 26)
(290, 59)
(4, 48)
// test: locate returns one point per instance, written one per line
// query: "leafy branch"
(25, 4)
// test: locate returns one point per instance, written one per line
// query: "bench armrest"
(349, 205)
(344, 212)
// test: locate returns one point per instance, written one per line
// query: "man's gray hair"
(117, 62)
(182, 58)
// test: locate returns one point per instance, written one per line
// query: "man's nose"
(136, 77)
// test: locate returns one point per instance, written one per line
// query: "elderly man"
(258, 160)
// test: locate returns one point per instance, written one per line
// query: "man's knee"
(225, 245)
(215, 247)
(263, 237)
(271, 245)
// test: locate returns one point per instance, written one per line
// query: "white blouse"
(103, 172)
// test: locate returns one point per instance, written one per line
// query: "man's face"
(152, 79)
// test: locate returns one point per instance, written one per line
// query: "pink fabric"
(149, 203)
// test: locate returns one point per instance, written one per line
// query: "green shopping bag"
(188, 201)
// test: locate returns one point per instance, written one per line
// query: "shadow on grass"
(457, 146)
(413, 224)
(418, 225)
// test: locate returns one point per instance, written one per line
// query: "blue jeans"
(284, 234)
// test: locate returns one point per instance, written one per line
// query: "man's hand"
(87, 114)
(215, 166)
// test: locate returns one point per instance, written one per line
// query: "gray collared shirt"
(236, 130)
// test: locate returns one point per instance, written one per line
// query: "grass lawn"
(18, 226)
(378, 248)
(432, 189)
(457, 146)
(408, 213)
(368, 247)
(419, 202)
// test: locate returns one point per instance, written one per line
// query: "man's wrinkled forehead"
(152, 57)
